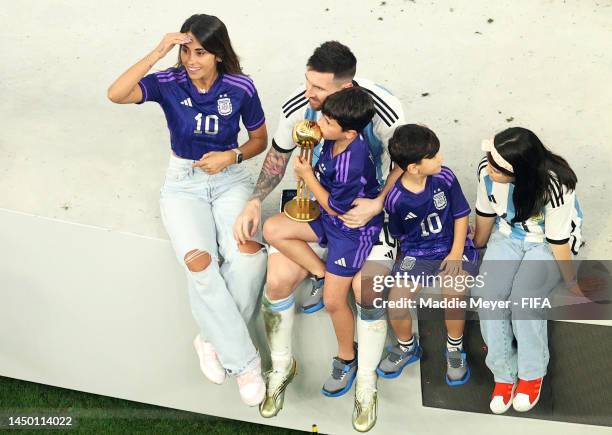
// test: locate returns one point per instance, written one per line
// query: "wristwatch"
(238, 155)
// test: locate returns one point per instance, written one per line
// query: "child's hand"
(451, 265)
(301, 167)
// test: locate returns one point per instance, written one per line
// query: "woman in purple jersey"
(204, 97)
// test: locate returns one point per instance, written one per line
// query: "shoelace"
(275, 380)
(455, 361)
(501, 389)
(338, 373)
(532, 388)
(364, 395)
(397, 354)
(314, 289)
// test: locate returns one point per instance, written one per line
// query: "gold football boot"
(276, 383)
(364, 412)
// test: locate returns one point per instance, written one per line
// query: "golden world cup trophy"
(306, 135)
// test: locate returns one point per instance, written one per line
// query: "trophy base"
(302, 211)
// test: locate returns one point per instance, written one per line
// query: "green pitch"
(106, 415)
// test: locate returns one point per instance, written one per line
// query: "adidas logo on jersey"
(390, 255)
(340, 262)
(410, 215)
(187, 102)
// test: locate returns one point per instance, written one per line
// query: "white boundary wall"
(81, 309)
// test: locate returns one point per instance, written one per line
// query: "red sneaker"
(501, 399)
(527, 394)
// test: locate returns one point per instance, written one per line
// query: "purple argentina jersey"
(203, 122)
(347, 176)
(424, 222)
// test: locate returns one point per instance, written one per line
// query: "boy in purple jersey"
(345, 171)
(428, 214)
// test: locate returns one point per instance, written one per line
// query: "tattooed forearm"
(271, 174)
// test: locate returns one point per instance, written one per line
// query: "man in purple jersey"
(204, 98)
(428, 214)
(344, 172)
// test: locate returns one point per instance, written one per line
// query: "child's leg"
(406, 350)
(290, 238)
(454, 318)
(457, 368)
(335, 295)
(344, 366)
(400, 318)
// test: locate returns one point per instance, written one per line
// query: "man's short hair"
(412, 143)
(334, 57)
(352, 108)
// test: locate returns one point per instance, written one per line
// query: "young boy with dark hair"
(344, 171)
(428, 214)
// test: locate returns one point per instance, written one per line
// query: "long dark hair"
(212, 34)
(539, 174)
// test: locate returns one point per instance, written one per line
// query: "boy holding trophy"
(344, 172)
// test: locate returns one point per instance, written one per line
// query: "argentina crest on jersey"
(224, 105)
(407, 263)
(439, 200)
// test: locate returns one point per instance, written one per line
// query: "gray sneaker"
(457, 369)
(341, 379)
(314, 300)
(398, 357)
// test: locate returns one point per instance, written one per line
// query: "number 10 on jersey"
(211, 124)
(433, 224)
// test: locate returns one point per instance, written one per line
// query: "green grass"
(107, 415)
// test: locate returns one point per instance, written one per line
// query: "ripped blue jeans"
(198, 211)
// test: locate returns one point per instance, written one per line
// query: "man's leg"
(371, 329)
(278, 308)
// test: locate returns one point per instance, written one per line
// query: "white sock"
(371, 335)
(452, 342)
(278, 318)
(407, 345)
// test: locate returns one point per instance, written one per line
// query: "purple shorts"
(347, 248)
(429, 265)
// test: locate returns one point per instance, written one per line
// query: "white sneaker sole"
(521, 407)
(505, 408)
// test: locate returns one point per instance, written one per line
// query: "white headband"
(488, 146)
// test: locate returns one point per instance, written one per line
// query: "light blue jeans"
(198, 211)
(514, 269)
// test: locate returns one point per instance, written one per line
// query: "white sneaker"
(209, 361)
(501, 399)
(251, 384)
